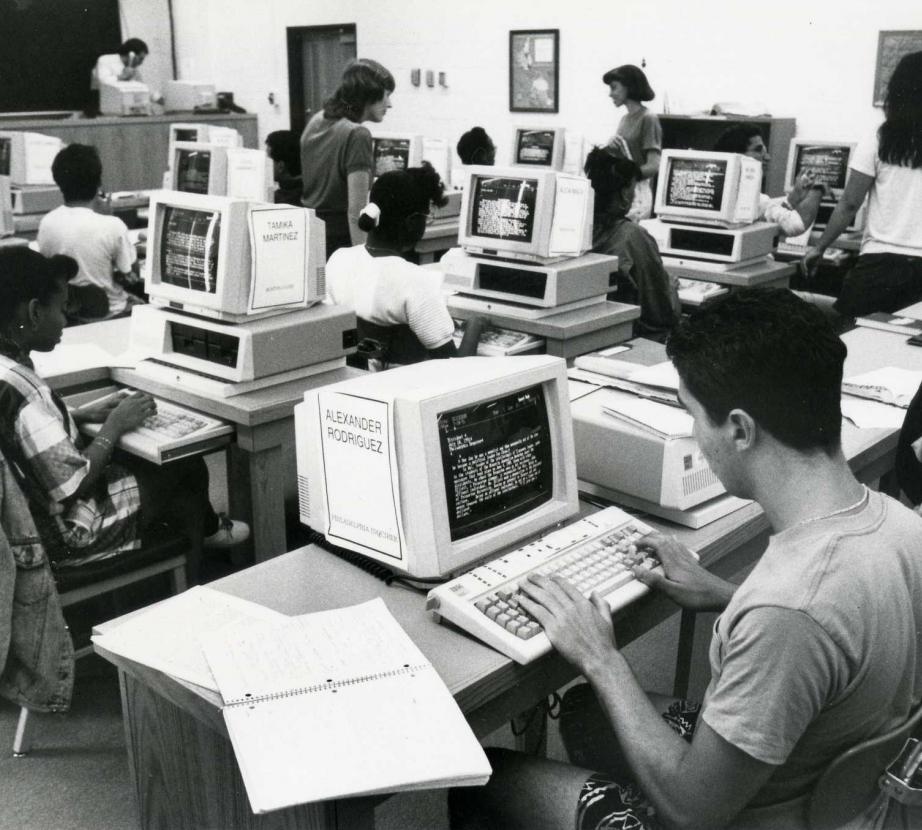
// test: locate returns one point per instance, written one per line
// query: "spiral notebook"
(338, 703)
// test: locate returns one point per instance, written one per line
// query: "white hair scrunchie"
(373, 211)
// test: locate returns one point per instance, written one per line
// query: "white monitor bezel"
(415, 156)
(217, 168)
(557, 152)
(731, 190)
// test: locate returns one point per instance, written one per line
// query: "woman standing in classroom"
(887, 164)
(336, 151)
(639, 129)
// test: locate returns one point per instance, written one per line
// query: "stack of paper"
(888, 385)
(664, 421)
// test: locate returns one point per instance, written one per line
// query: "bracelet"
(105, 442)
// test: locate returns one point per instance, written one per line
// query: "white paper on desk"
(666, 421)
(279, 240)
(889, 384)
(579, 388)
(70, 357)
(867, 414)
(914, 311)
(167, 637)
(661, 375)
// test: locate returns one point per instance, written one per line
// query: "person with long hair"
(394, 299)
(887, 167)
(336, 151)
(641, 278)
(639, 129)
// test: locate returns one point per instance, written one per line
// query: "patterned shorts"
(607, 805)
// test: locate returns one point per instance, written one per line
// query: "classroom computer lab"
(437, 416)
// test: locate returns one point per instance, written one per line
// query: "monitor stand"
(483, 305)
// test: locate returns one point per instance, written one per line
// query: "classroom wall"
(150, 21)
(813, 61)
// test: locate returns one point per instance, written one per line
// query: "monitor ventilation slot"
(304, 499)
(321, 280)
(698, 480)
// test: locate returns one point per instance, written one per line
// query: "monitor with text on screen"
(707, 188)
(198, 168)
(232, 259)
(532, 215)
(396, 151)
(827, 161)
(539, 147)
(26, 157)
(453, 466)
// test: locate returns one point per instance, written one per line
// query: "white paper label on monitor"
(42, 151)
(360, 469)
(279, 240)
(569, 216)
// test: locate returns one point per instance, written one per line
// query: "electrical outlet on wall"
(430, 78)
(414, 77)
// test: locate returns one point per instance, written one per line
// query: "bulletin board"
(891, 47)
(48, 49)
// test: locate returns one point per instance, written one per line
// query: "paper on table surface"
(579, 388)
(889, 383)
(667, 421)
(167, 636)
(865, 413)
(75, 357)
(662, 375)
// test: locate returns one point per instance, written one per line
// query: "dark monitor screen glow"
(192, 168)
(503, 208)
(695, 183)
(534, 147)
(828, 164)
(496, 460)
(189, 248)
(391, 154)
(6, 153)
(186, 135)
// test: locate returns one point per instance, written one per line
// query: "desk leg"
(256, 494)
(186, 776)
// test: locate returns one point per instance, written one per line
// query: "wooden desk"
(133, 150)
(568, 334)
(264, 426)
(438, 238)
(768, 274)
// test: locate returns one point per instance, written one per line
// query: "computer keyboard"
(697, 291)
(594, 553)
(172, 422)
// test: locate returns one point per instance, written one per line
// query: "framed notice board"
(891, 46)
(48, 49)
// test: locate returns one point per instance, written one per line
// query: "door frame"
(294, 36)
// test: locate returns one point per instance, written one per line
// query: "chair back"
(850, 783)
(398, 343)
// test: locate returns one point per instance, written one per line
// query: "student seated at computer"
(394, 299)
(476, 147)
(100, 244)
(887, 168)
(96, 506)
(284, 149)
(793, 213)
(814, 652)
(642, 280)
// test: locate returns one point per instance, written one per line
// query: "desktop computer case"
(746, 243)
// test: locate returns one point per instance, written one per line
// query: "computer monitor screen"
(503, 208)
(695, 183)
(232, 259)
(189, 246)
(199, 168)
(190, 134)
(700, 187)
(496, 460)
(826, 161)
(454, 466)
(532, 215)
(395, 151)
(6, 154)
(539, 147)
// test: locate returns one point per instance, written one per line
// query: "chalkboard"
(891, 47)
(48, 49)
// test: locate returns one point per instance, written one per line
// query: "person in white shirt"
(124, 65)
(394, 299)
(793, 213)
(100, 244)
(887, 164)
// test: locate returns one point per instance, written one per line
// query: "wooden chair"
(850, 782)
(165, 554)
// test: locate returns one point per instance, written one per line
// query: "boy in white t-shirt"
(100, 244)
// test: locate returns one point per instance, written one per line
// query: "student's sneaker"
(230, 532)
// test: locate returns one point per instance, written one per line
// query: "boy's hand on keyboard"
(580, 629)
(96, 412)
(131, 412)
(685, 581)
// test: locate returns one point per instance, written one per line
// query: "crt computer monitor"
(539, 147)
(529, 215)
(26, 157)
(430, 471)
(827, 160)
(250, 175)
(396, 151)
(201, 260)
(198, 168)
(699, 187)
(6, 205)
